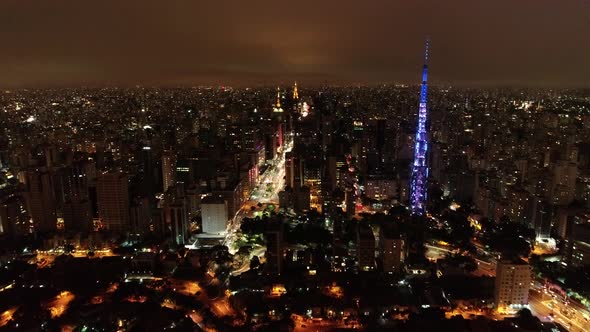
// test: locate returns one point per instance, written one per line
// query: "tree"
(398, 211)
(222, 272)
(254, 263)
(308, 233)
(471, 266)
(527, 321)
(244, 250)
(220, 254)
(253, 225)
(465, 262)
(510, 238)
(461, 230)
(438, 202)
(415, 232)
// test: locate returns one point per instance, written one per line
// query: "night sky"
(53, 43)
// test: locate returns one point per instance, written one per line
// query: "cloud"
(67, 42)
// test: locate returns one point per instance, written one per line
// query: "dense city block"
(295, 166)
(291, 209)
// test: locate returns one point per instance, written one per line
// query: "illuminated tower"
(295, 93)
(419, 168)
(277, 107)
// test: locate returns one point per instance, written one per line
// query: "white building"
(513, 279)
(214, 215)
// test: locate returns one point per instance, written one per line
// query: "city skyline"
(69, 44)
(281, 166)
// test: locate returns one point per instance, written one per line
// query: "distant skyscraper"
(113, 201)
(277, 106)
(41, 199)
(76, 208)
(419, 169)
(150, 176)
(167, 169)
(295, 92)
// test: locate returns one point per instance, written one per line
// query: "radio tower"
(419, 168)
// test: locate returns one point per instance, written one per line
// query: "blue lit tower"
(419, 169)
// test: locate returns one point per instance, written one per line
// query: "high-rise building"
(271, 144)
(349, 199)
(183, 172)
(419, 167)
(381, 188)
(297, 172)
(168, 166)
(392, 248)
(289, 168)
(312, 178)
(577, 243)
(513, 279)
(286, 198)
(176, 217)
(112, 191)
(231, 191)
(302, 199)
(14, 219)
(538, 215)
(519, 200)
(214, 213)
(40, 199)
(140, 216)
(77, 216)
(51, 155)
(75, 182)
(149, 173)
(76, 209)
(365, 247)
(563, 183)
(297, 199)
(274, 247)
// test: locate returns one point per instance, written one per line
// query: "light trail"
(538, 306)
(273, 175)
(60, 303)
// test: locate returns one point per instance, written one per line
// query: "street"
(266, 190)
(548, 308)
